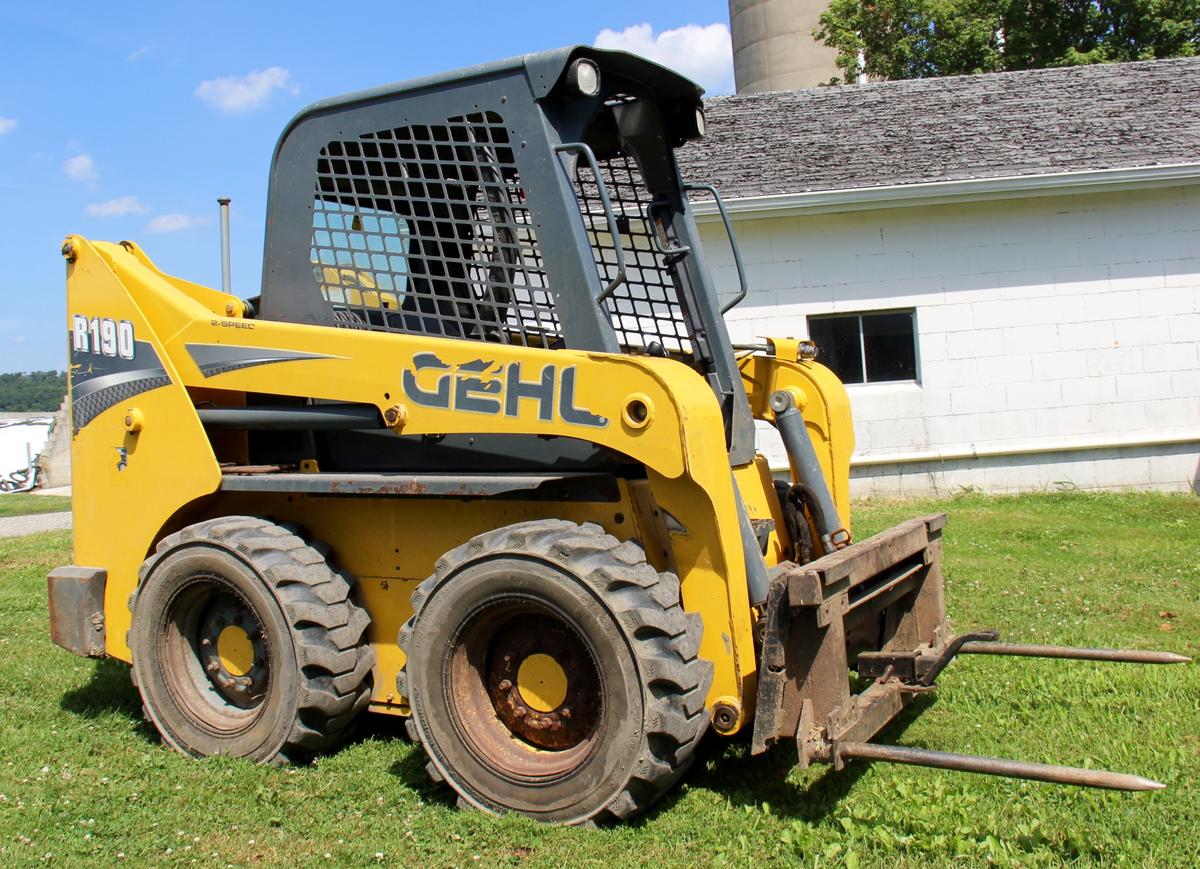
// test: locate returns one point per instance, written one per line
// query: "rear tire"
(246, 643)
(551, 671)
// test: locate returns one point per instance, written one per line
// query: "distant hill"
(32, 391)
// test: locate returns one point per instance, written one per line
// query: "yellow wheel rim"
(235, 651)
(542, 682)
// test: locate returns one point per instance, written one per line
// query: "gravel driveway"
(18, 526)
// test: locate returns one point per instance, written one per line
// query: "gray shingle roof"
(982, 126)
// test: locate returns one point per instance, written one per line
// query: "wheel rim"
(541, 682)
(233, 650)
(526, 692)
(215, 654)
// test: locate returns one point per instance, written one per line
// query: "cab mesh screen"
(423, 229)
(645, 310)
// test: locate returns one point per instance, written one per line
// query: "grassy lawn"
(24, 504)
(84, 780)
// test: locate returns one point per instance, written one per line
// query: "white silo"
(773, 47)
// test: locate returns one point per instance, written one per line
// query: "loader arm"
(819, 396)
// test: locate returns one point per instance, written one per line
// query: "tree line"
(901, 39)
(32, 391)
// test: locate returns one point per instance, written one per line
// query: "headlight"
(584, 76)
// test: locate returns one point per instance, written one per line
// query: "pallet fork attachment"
(1067, 775)
(877, 607)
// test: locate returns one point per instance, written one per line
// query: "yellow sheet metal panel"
(126, 483)
(441, 386)
(823, 401)
(713, 580)
(219, 303)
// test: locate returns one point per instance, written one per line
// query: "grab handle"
(583, 150)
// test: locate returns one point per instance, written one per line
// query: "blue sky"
(128, 120)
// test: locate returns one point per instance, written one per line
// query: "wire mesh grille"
(424, 229)
(645, 310)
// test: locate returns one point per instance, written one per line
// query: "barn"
(1004, 268)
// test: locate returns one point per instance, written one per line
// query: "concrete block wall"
(1170, 467)
(56, 457)
(1041, 322)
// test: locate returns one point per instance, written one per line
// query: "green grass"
(24, 504)
(82, 778)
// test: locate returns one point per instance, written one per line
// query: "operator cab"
(534, 201)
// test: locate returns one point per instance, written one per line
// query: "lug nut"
(505, 685)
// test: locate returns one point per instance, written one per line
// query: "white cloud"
(81, 167)
(7, 125)
(703, 54)
(120, 207)
(140, 53)
(248, 92)
(174, 222)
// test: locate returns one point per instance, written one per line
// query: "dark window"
(867, 348)
(424, 229)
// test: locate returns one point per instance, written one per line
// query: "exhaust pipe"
(226, 283)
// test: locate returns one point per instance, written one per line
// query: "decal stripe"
(100, 393)
(214, 359)
(98, 381)
(110, 381)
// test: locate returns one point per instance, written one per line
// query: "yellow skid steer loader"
(482, 455)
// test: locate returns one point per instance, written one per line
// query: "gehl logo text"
(481, 386)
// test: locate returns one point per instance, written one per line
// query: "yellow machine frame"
(149, 458)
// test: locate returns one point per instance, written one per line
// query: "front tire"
(551, 671)
(246, 643)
